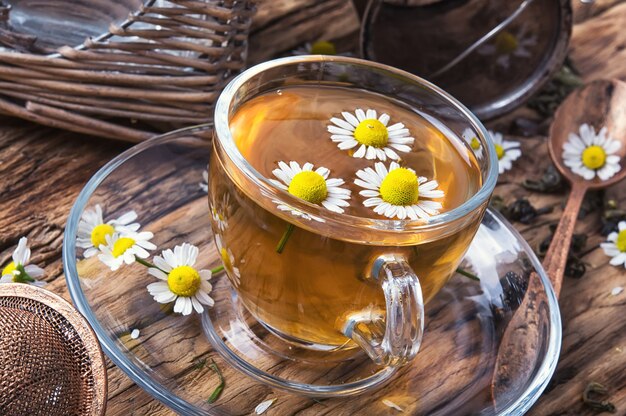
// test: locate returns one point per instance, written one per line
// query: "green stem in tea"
(218, 390)
(467, 274)
(147, 264)
(217, 269)
(281, 244)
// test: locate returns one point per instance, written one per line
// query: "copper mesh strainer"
(50, 360)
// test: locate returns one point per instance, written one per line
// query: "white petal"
(34, 271)
(384, 118)
(339, 130)
(350, 119)
(360, 114)
(204, 298)
(179, 306)
(157, 273)
(342, 124)
(196, 305)
(360, 152)
(371, 114)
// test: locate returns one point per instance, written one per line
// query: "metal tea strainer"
(50, 360)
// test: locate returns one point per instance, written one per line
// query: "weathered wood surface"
(42, 170)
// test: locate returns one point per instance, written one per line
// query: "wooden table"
(42, 171)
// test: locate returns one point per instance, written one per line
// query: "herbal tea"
(354, 153)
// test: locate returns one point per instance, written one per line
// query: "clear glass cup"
(382, 271)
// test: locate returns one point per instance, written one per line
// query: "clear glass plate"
(453, 373)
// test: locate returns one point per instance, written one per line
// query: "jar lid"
(491, 55)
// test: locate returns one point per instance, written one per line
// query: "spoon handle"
(556, 258)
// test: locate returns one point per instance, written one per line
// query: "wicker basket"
(160, 68)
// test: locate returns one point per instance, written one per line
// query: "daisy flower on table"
(615, 247)
(507, 151)
(204, 185)
(589, 154)
(398, 192)
(125, 248)
(472, 140)
(312, 186)
(228, 259)
(92, 229)
(179, 281)
(507, 45)
(19, 270)
(370, 135)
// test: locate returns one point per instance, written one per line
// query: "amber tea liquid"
(307, 292)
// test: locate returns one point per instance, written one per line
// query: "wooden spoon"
(599, 104)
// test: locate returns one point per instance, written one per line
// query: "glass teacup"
(345, 281)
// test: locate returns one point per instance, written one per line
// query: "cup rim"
(226, 141)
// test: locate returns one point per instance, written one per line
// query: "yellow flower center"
(121, 245)
(228, 265)
(310, 186)
(183, 281)
(322, 47)
(506, 43)
(594, 157)
(400, 187)
(99, 233)
(475, 143)
(499, 151)
(9, 268)
(371, 132)
(621, 241)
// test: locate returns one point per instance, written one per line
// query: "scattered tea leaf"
(218, 390)
(575, 267)
(556, 90)
(551, 181)
(520, 210)
(592, 397)
(263, 406)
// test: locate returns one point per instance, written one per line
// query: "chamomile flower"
(507, 45)
(92, 230)
(18, 270)
(321, 47)
(472, 140)
(590, 154)
(615, 247)
(180, 281)
(228, 259)
(219, 213)
(507, 151)
(312, 186)
(398, 192)
(124, 248)
(204, 185)
(370, 134)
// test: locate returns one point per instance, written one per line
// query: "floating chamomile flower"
(370, 134)
(590, 154)
(125, 248)
(18, 270)
(228, 259)
(506, 45)
(472, 140)
(92, 230)
(398, 192)
(321, 47)
(312, 186)
(204, 185)
(615, 247)
(180, 281)
(507, 151)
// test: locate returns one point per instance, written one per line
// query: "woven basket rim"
(80, 325)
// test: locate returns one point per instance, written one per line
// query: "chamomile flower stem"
(467, 274)
(218, 390)
(148, 264)
(281, 244)
(23, 277)
(217, 269)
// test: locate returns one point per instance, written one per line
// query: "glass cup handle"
(393, 339)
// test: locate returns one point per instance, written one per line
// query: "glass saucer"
(172, 356)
